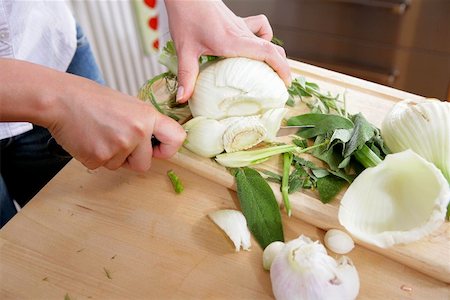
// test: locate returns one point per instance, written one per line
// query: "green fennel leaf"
(259, 207)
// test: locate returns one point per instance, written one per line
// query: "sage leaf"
(259, 206)
(317, 124)
(328, 187)
(362, 133)
(332, 156)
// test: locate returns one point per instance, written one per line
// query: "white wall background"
(110, 26)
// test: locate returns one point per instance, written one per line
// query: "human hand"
(102, 127)
(211, 28)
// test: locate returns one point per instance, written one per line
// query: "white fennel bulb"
(204, 136)
(243, 133)
(237, 87)
(209, 137)
(424, 127)
(401, 200)
(271, 120)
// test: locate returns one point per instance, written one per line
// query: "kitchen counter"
(122, 235)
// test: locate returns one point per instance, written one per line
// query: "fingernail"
(180, 93)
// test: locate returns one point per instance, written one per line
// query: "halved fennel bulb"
(423, 126)
(208, 137)
(204, 136)
(400, 200)
(237, 87)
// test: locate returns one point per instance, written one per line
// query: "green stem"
(367, 157)
(252, 157)
(176, 182)
(304, 150)
(287, 161)
(148, 90)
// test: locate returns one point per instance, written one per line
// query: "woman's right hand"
(102, 127)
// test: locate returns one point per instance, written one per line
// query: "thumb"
(187, 75)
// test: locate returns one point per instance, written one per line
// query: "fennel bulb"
(302, 269)
(424, 127)
(401, 200)
(237, 87)
(209, 137)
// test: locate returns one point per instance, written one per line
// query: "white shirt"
(41, 32)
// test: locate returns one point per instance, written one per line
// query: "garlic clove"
(243, 133)
(401, 200)
(233, 223)
(338, 241)
(423, 126)
(270, 252)
(348, 271)
(304, 270)
(204, 136)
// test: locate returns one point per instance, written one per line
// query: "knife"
(55, 149)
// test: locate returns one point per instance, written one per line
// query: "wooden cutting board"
(156, 244)
(430, 255)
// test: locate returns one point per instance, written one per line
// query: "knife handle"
(55, 149)
(155, 141)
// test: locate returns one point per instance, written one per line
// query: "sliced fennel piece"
(204, 136)
(243, 133)
(401, 200)
(208, 137)
(271, 120)
(423, 126)
(237, 87)
(252, 157)
(233, 223)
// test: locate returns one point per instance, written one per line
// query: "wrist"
(29, 92)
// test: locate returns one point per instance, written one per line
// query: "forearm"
(29, 92)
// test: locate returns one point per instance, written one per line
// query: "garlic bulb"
(237, 87)
(401, 200)
(424, 127)
(338, 241)
(304, 270)
(233, 223)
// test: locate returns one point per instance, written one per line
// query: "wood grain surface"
(121, 235)
(430, 255)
